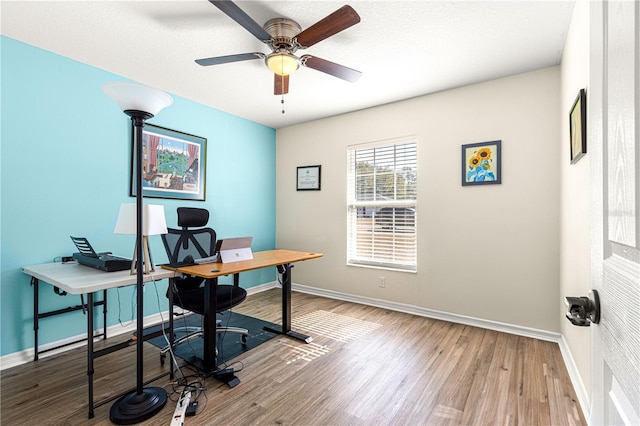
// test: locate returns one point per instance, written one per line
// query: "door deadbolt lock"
(582, 311)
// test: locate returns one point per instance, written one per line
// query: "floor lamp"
(140, 103)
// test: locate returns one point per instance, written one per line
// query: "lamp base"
(145, 261)
(135, 408)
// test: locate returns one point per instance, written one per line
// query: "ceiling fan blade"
(280, 84)
(229, 58)
(330, 68)
(234, 12)
(339, 20)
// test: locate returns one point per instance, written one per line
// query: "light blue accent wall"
(65, 170)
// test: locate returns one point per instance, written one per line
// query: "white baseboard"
(431, 313)
(22, 357)
(262, 287)
(25, 356)
(576, 381)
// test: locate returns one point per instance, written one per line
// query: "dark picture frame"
(482, 163)
(578, 127)
(173, 164)
(308, 178)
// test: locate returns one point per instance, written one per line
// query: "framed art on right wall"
(482, 163)
(578, 127)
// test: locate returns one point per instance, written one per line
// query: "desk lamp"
(140, 103)
(154, 223)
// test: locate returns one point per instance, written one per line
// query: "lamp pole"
(138, 118)
(143, 403)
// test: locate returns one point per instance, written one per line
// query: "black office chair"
(188, 291)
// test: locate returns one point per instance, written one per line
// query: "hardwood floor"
(365, 366)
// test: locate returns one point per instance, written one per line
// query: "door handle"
(582, 311)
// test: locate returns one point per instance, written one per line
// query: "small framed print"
(308, 178)
(578, 127)
(482, 163)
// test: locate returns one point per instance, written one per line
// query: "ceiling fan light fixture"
(282, 63)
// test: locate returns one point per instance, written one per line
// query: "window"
(381, 200)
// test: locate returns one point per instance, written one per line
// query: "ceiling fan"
(285, 36)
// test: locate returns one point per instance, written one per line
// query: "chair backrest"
(198, 243)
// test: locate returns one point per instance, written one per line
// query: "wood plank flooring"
(365, 366)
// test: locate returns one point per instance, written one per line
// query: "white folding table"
(78, 279)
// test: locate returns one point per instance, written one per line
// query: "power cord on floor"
(220, 342)
(184, 319)
(193, 383)
(162, 327)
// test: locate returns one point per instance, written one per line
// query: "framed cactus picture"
(481, 163)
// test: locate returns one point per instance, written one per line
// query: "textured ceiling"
(403, 48)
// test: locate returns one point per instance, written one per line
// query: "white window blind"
(381, 200)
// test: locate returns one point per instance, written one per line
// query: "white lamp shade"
(282, 63)
(153, 221)
(138, 97)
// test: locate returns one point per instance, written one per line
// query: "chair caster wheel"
(162, 358)
(243, 339)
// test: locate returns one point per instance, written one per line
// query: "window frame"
(396, 244)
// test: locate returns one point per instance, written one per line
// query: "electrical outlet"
(382, 282)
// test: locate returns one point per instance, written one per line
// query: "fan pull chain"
(282, 79)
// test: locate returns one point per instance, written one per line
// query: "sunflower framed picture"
(481, 163)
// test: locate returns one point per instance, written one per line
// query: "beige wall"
(489, 252)
(575, 187)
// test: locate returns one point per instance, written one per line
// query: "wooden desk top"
(261, 259)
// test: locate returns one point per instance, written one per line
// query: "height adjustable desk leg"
(286, 297)
(172, 333)
(285, 270)
(210, 363)
(209, 355)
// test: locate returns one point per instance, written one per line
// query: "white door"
(613, 99)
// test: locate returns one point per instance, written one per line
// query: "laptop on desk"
(234, 249)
